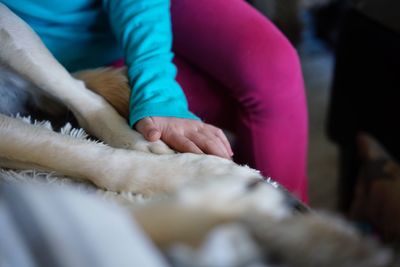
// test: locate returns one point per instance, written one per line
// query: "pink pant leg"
(206, 97)
(256, 67)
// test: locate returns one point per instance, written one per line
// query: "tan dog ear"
(369, 148)
(110, 83)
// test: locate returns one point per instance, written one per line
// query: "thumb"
(148, 129)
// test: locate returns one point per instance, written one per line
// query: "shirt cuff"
(168, 110)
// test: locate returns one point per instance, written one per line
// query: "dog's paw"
(157, 147)
(112, 129)
(228, 188)
(236, 197)
(150, 174)
(130, 139)
(210, 167)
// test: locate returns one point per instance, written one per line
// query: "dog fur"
(202, 191)
(22, 52)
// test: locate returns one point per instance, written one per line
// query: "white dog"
(118, 168)
(204, 190)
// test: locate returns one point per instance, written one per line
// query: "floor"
(317, 62)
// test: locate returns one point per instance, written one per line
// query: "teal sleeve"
(143, 29)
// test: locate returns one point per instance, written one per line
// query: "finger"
(212, 134)
(148, 129)
(182, 144)
(209, 144)
(220, 134)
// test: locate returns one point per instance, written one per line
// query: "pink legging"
(240, 73)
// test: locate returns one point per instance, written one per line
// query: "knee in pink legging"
(240, 73)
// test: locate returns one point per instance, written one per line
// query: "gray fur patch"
(14, 93)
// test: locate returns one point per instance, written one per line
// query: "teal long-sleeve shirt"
(91, 33)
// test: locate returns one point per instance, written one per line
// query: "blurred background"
(298, 20)
(350, 59)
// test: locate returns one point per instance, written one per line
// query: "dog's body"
(126, 162)
(213, 187)
(22, 52)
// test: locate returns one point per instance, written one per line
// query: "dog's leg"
(22, 50)
(27, 146)
(111, 83)
(111, 168)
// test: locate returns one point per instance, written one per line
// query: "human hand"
(185, 135)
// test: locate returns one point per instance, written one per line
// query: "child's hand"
(185, 135)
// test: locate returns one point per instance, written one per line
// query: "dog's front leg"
(23, 145)
(111, 168)
(23, 51)
(29, 146)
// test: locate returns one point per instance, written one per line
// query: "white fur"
(114, 168)
(22, 51)
(198, 185)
